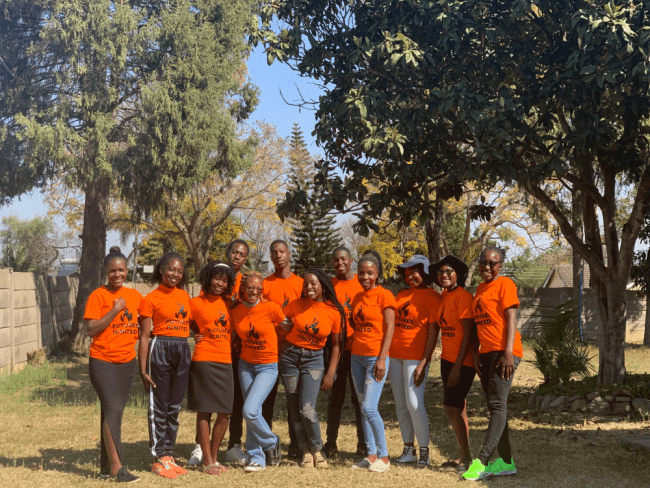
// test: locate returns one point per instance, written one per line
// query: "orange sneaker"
(170, 463)
(161, 470)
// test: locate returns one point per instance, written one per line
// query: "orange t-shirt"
(257, 328)
(282, 290)
(169, 309)
(116, 343)
(345, 291)
(455, 306)
(212, 316)
(368, 317)
(312, 323)
(235, 288)
(415, 309)
(490, 302)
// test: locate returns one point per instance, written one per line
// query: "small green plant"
(559, 351)
(31, 376)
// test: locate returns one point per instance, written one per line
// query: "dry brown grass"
(50, 438)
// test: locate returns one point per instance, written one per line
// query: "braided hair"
(156, 277)
(329, 295)
(244, 277)
(374, 258)
(216, 268)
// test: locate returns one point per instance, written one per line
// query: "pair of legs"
(496, 392)
(369, 391)
(302, 371)
(409, 401)
(210, 447)
(455, 403)
(169, 367)
(337, 399)
(112, 382)
(257, 381)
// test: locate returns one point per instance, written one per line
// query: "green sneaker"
(477, 471)
(499, 467)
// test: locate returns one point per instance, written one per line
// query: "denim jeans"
(256, 381)
(496, 391)
(301, 371)
(337, 399)
(368, 392)
(409, 401)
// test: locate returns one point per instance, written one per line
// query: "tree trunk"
(646, 332)
(578, 267)
(434, 230)
(93, 250)
(612, 355)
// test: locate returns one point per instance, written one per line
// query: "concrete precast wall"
(36, 310)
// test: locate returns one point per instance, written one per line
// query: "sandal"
(214, 469)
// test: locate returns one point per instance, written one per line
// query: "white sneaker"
(379, 466)
(364, 463)
(407, 456)
(253, 467)
(196, 459)
(235, 455)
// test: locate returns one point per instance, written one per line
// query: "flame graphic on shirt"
(251, 334)
(286, 302)
(126, 315)
(181, 311)
(221, 320)
(359, 317)
(442, 318)
(347, 305)
(313, 327)
(404, 309)
(478, 307)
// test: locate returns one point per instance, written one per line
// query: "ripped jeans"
(302, 371)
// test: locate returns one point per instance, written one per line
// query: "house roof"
(564, 273)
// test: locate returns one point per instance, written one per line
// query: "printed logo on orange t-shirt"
(454, 307)
(211, 315)
(368, 316)
(312, 323)
(169, 310)
(416, 309)
(257, 329)
(345, 291)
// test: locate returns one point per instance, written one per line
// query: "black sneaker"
(274, 455)
(294, 452)
(424, 461)
(123, 476)
(362, 449)
(330, 450)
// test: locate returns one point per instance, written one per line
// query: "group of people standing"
(312, 333)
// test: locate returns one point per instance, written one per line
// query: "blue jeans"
(257, 380)
(369, 391)
(302, 371)
(409, 400)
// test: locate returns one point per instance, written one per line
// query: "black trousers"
(337, 399)
(168, 365)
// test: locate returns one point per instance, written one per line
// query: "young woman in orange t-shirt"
(417, 307)
(315, 316)
(455, 319)
(112, 320)
(495, 305)
(256, 322)
(373, 318)
(165, 316)
(210, 388)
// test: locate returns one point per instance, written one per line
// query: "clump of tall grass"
(45, 375)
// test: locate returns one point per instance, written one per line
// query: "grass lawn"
(50, 437)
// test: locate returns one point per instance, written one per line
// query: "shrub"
(559, 351)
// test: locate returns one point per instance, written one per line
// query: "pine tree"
(314, 235)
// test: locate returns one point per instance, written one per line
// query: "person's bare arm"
(506, 364)
(380, 364)
(143, 351)
(454, 374)
(98, 326)
(328, 379)
(432, 340)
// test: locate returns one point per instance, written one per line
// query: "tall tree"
(314, 235)
(641, 276)
(140, 96)
(27, 245)
(552, 90)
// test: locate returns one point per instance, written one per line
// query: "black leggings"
(112, 382)
(496, 392)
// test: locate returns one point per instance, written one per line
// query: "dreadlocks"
(213, 269)
(244, 277)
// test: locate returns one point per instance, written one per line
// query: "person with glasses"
(454, 322)
(495, 304)
(416, 311)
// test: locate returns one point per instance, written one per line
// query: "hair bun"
(115, 249)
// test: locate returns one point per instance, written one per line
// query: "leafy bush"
(559, 351)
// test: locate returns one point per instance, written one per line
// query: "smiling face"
(341, 262)
(280, 256)
(116, 272)
(237, 256)
(172, 273)
(413, 277)
(252, 289)
(218, 284)
(312, 287)
(489, 266)
(368, 274)
(447, 277)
